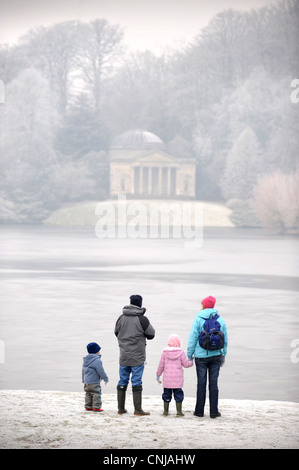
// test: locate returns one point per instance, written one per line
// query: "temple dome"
(137, 139)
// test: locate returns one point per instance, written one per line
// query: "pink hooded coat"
(171, 364)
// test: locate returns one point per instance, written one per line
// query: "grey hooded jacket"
(93, 370)
(132, 329)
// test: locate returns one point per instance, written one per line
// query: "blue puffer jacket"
(93, 370)
(193, 346)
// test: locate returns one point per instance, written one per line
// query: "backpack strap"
(216, 316)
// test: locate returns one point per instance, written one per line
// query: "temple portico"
(146, 170)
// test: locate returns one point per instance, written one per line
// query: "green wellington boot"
(179, 408)
(121, 399)
(166, 408)
(137, 400)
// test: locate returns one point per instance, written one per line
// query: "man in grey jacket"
(132, 329)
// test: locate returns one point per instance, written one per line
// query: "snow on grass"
(84, 213)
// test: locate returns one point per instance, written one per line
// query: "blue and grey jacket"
(93, 370)
(193, 345)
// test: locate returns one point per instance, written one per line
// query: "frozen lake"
(63, 287)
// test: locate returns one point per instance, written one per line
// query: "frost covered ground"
(57, 420)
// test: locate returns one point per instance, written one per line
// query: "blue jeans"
(203, 366)
(177, 393)
(124, 374)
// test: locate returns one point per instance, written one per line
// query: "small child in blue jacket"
(92, 373)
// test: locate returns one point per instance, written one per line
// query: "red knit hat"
(208, 302)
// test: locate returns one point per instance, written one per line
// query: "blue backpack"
(211, 337)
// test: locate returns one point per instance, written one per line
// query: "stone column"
(141, 181)
(150, 190)
(159, 182)
(168, 181)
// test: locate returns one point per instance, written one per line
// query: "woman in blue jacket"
(207, 360)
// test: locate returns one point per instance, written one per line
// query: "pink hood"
(173, 353)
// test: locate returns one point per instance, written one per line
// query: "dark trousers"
(207, 366)
(177, 393)
(93, 395)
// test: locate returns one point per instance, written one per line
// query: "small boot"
(121, 398)
(166, 408)
(179, 408)
(137, 400)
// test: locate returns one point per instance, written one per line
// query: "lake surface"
(63, 287)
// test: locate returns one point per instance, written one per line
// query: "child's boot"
(166, 408)
(179, 408)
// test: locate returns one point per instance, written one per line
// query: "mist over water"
(63, 287)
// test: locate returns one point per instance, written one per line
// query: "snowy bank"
(140, 212)
(57, 420)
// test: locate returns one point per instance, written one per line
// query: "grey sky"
(148, 24)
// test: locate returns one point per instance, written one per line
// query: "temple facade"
(141, 168)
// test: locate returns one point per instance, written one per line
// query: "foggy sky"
(148, 24)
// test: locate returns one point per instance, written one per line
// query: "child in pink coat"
(171, 364)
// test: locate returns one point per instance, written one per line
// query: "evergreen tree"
(242, 167)
(82, 130)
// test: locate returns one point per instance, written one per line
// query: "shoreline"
(37, 419)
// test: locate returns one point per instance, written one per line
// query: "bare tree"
(52, 50)
(224, 37)
(26, 148)
(98, 53)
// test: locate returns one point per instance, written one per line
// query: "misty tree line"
(224, 99)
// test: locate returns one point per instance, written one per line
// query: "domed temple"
(140, 167)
